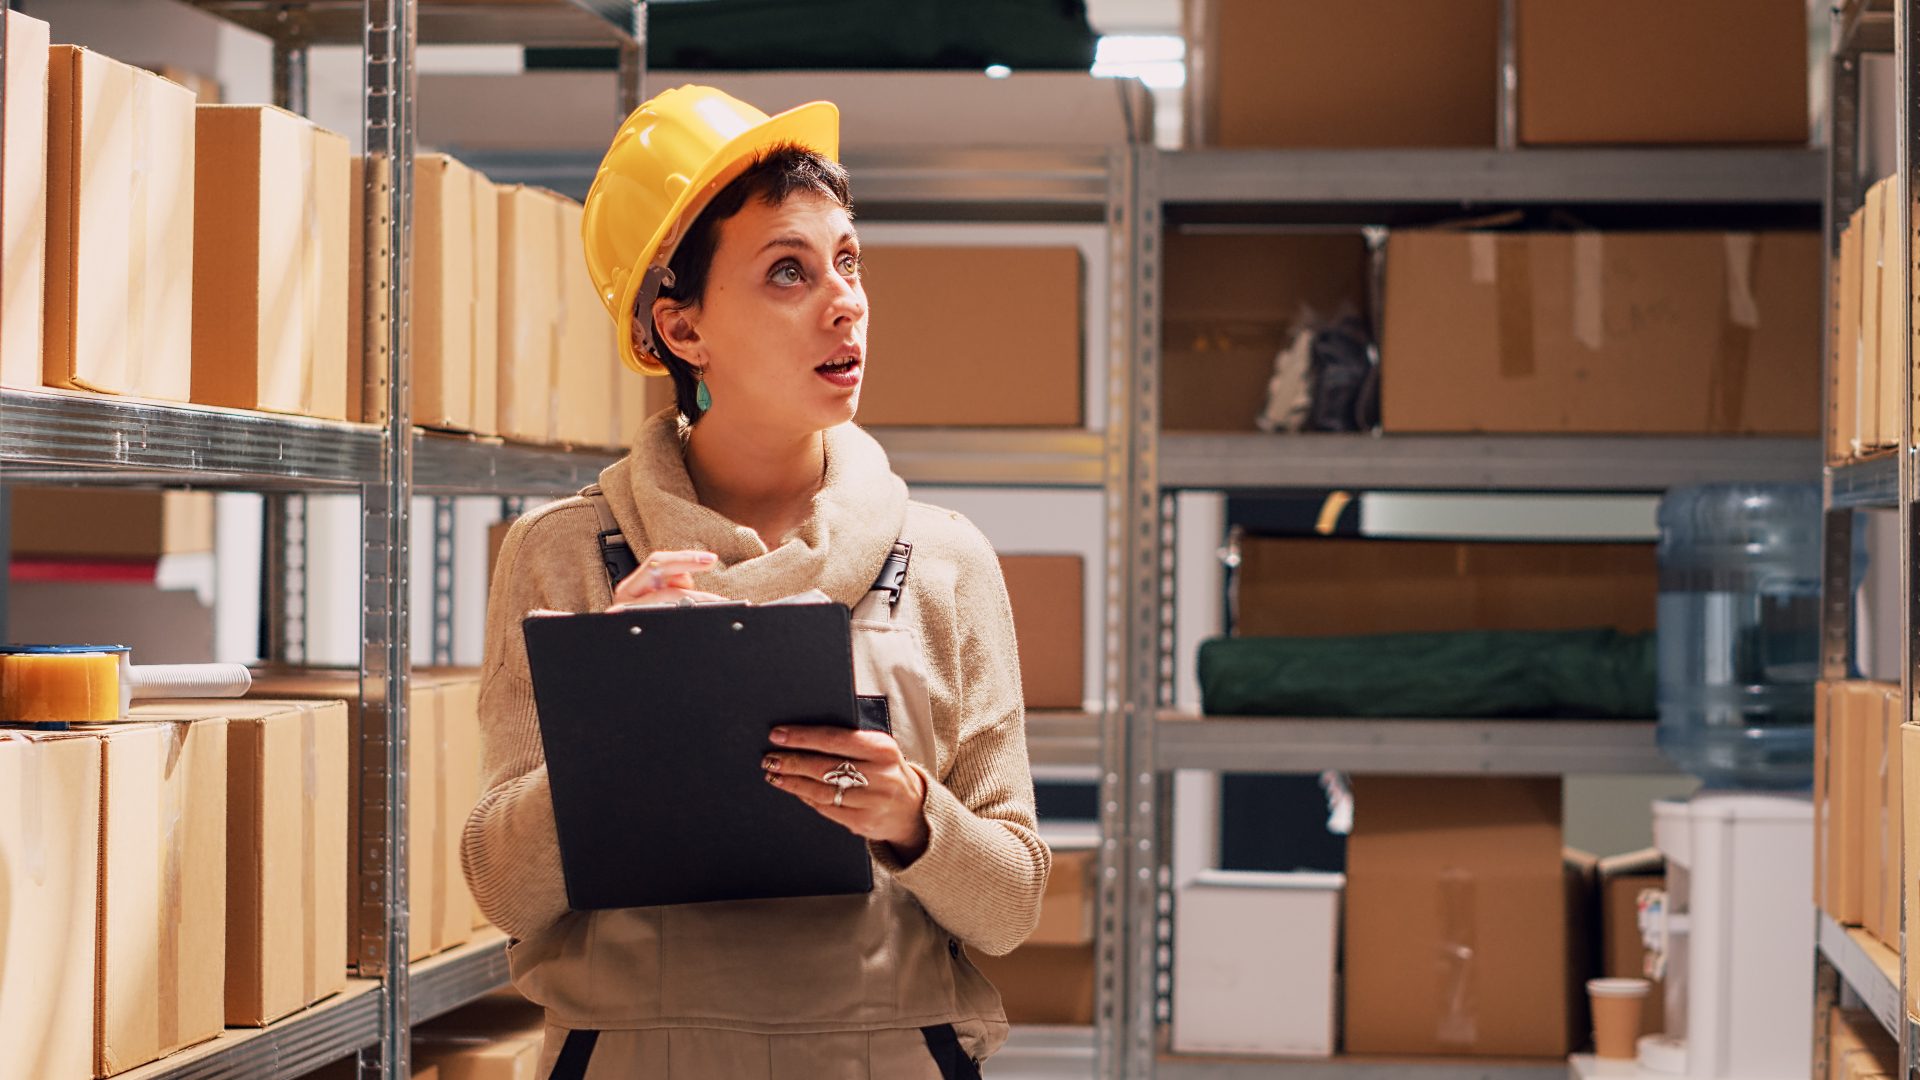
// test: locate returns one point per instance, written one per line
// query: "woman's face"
(782, 331)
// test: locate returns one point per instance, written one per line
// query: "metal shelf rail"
(1872, 969)
(1430, 747)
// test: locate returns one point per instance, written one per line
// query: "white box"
(1254, 959)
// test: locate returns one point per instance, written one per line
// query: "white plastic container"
(1254, 963)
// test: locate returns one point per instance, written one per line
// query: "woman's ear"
(678, 331)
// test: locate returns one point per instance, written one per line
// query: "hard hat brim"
(815, 126)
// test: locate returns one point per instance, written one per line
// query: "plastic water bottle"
(1739, 632)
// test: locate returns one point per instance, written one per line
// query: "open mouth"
(838, 367)
(843, 372)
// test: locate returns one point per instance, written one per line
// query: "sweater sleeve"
(985, 865)
(510, 849)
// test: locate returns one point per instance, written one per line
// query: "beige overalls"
(864, 987)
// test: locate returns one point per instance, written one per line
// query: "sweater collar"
(857, 516)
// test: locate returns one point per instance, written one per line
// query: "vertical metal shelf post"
(1905, 57)
(380, 924)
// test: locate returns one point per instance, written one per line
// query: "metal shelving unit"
(1870, 968)
(1430, 747)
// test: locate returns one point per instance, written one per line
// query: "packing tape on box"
(172, 844)
(33, 836)
(1459, 1021)
(139, 181)
(1514, 293)
(1727, 383)
(1589, 275)
(309, 796)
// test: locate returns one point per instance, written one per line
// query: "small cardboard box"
(109, 523)
(1456, 918)
(528, 326)
(1042, 984)
(1046, 592)
(272, 240)
(1633, 333)
(120, 226)
(23, 202)
(1359, 73)
(1593, 74)
(485, 204)
(1066, 908)
(50, 861)
(444, 293)
(1230, 302)
(1256, 967)
(163, 886)
(1855, 732)
(931, 364)
(1892, 819)
(443, 747)
(286, 852)
(585, 396)
(1323, 587)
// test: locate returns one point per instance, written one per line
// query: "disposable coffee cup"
(1616, 1015)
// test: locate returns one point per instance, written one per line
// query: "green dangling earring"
(701, 396)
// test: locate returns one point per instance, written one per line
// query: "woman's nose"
(849, 300)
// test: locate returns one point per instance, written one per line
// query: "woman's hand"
(663, 578)
(891, 805)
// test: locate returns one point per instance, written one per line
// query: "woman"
(723, 244)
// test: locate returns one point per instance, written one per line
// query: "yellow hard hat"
(670, 158)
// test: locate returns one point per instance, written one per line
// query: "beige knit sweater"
(984, 868)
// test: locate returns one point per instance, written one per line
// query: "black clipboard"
(654, 722)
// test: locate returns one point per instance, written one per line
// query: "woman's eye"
(850, 265)
(787, 274)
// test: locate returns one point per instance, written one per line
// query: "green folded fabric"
(1463, 675)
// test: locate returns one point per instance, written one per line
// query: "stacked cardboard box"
(271, 242)
(1858, 1048)
(1639, 333)
(456, 291)
(443, 776)
(1046, 594)
(1049, 979)
(286, 851)
(1865, 380)
(560, 379)
(120, 221)
(1857, 790)
(1256, 971)
(102, 523)
(23, 201)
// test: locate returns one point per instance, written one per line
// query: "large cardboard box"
(1046, 592)
(50, 861)
(1299, 73)
(1622, 878)
(528, 325)
(109, 523)
(286, 851)
(23, 201)
(1255, 970)
(485, 205)
(1600, 74)
(163, 896)
(442, 752)
(120, 227)
(1854, 791)
(1641, 333)
(272, 240)
(1230, 303)
(1329, 587)
(930, 361)
(444, 305)
(1456, 918)
(586, 398)
(1042, 984)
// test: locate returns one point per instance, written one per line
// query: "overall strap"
(615, 555)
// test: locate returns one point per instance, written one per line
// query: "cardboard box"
(1316, 587)
(1046, 592)
(1641, 333)
(163, 875)
(1468, 871)
(120, 227)
(1866, 378)
(1891, 393)
(1857, 1046)
(50, 861)
(443, 747)
(1892, 819)
(931, 364)
(286, 851)
(272, 241)
(1042, 984)
(485, 204)
(480, 1057)
(109, 523)
(586, 394)
(1256, 967)
(23, 202)
(1825, 694)
(1594, 74)
(1855, 720)
(528, 327)
(1910, 842)
(1297, 73)
(1066, 908)
(444, 293)
(1843, 366)
(1622, 878)
(1230, 303)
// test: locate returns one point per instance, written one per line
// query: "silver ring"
(838, 794)
(844, 776)
(654, 575)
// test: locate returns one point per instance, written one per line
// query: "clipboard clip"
(893, 573)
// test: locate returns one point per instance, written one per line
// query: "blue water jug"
(1739, 631)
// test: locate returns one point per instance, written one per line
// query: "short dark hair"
(776, 175)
